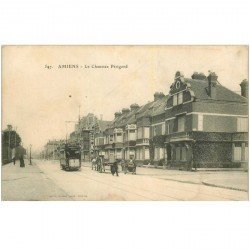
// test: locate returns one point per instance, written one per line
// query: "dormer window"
(177, 99)
(180, 98)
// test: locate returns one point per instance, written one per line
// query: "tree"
(10, 138)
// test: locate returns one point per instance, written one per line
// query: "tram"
(70, 156)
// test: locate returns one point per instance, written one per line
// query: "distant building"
(51, 149)
(84, 133)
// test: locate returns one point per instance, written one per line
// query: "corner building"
(206, 124)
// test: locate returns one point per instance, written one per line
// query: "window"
(184, 153)
(118, 154)
(146, 132)
(146, 153)
(132, 135)
(180, 98)
(111, 138)
(139, 133)
(119, 137)
(181, 153)
(237, 152)
(181, 123)
(163, 128)
(200, 122)
(168, 129)
(161, 153)
(96, 142)
(178, 153)
(174, 100)
(246, 152)
(242, 125)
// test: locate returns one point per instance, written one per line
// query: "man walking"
(114, 168)
(20, 152)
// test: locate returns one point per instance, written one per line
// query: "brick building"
(199, 123)
(206, 123)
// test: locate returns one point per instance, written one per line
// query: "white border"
(130, 225)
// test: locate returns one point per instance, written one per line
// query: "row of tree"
(10, 140)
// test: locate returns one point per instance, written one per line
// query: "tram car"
(70, 156)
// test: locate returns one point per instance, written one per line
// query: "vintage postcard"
(124, 123)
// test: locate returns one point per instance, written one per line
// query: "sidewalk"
(28, 184)
(235, 180)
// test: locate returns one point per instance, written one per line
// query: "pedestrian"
(93, 163)
(114, 168)
(14, 156)
(19, 154)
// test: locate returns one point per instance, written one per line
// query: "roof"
(144, 110)
(104, 124)
(199, 87)
(159, 106)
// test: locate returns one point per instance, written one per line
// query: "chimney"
(117, 114)
(134, 107)
(158, 96)
(198, 76)
(244, 88)
(9, 127)
(125, 111)
(212, 82)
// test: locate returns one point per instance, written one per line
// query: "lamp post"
(30, 155)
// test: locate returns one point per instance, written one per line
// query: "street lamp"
(30, 155)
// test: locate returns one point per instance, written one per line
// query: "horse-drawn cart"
(129, 166)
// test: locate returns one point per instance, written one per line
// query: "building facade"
(199, 123)
(206, 124)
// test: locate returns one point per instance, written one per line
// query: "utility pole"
(30, 155)
(79, 116)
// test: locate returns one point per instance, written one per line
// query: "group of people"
(99, 165)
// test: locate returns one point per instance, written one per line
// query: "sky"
(38, 99)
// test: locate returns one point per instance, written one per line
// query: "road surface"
(46, 181)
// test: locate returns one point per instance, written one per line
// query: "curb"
(225, 187)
